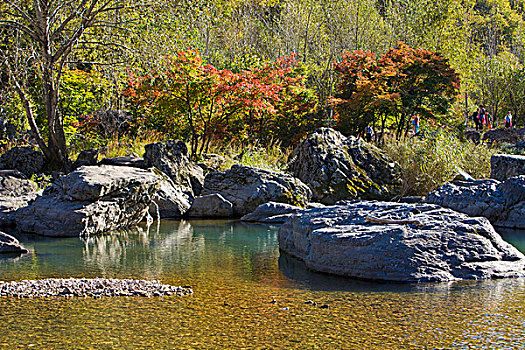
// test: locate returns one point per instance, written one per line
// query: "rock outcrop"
(24, 159)
(16, 191)
(503, 203)
(10, 245)
(399, 242)
(247, 188)
(86, 157)
(170, 201)
(272, 213)
(172, 158)
(211, 206)
(91, 200)
(505, 166)
(338, 168)
(504, 135)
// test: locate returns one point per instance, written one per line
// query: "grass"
(430, 162)
(270, 158)
(116, 147)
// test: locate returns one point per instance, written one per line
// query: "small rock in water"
(273, 301)
(284, 309)
(325, 306)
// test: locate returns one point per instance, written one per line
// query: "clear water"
(236, 272)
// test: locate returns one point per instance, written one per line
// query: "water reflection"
(181, 247)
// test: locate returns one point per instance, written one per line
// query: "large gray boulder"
(172, 158)
(505, 166)
(16, 191)
(271, 213)
(24, 159)
(91, 200)
(338, 168)
(211, 206)
(500, 202)
(247, 188)
(170, 201)
(399, 242)
(10, 245)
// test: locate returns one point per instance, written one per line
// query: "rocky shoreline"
(84, 287)
(324, 173)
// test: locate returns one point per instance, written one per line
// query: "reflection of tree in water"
(140, 250)
(184, 247)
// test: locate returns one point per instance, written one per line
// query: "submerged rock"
(83, 287)
(502, 203)
(399, 242)
(247, 188)
(10, 245)
(338, 168)
(271, 213)
(91, 200)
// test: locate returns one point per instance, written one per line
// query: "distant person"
(477, 119)
(369, 132)
(508, 120)
(474, 118)
(488, 120)
(415, 124)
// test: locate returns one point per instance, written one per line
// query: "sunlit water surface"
(236, 272)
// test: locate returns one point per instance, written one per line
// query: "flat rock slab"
(271, 213)
(96, 287)
(399, 242)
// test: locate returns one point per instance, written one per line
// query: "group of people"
(482, 119)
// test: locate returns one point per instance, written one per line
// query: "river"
(246, 296)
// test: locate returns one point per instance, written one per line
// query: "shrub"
(430, 162)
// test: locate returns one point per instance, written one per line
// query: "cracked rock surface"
(399, 242)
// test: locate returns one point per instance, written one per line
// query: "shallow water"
(236, 272)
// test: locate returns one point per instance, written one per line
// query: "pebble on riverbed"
(96, 287)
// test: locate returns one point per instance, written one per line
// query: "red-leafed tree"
(424, 80)
(195, 100)
(402, 82)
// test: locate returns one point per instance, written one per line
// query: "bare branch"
(22, 13)
(20, 26)
(73, 15)
(25, 103)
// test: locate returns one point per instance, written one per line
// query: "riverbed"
(246, 296)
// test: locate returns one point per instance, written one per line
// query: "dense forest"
(266, 72)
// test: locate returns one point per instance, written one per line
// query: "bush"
(430, 162)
